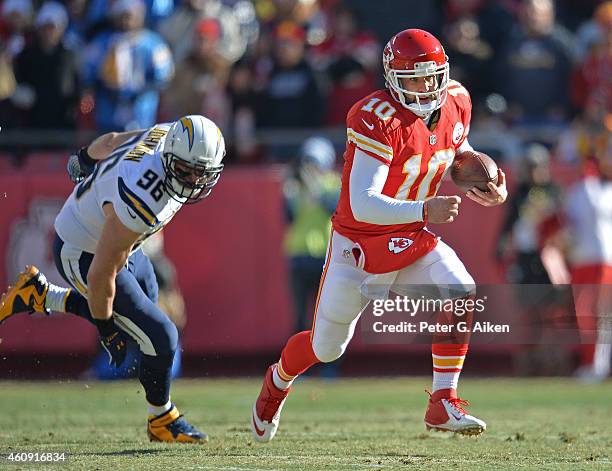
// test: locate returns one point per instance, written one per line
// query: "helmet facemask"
(177, 182)
(414, 100)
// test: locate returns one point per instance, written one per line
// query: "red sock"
(449, 349)
(297, 355)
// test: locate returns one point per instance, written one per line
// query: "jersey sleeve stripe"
(137, 204)
(371, 141)
(370, 145)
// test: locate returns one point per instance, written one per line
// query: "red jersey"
(417, 156)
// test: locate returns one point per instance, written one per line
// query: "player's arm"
(112, 251)
(373, 154)
(81, 164)
(368, 204)
(555, 239)
(104, 145)
(111, 255)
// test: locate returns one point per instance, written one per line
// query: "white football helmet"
(192, 155)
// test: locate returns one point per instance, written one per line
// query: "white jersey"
(132, 180)
(589, 213)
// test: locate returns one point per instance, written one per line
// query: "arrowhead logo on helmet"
(388, 55)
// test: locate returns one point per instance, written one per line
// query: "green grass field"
(349, 424)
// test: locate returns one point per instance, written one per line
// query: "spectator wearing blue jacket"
(125, 69)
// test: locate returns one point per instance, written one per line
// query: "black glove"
(113, 340)
(80, 165)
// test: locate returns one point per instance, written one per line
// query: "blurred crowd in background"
(252, 65)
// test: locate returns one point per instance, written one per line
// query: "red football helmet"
(416, 53)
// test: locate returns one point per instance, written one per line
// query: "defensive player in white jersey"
(400, 142)
(135, 183)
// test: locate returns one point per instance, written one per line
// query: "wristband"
(85, 160)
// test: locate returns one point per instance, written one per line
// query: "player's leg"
(136, 312)
(142, 320)
(33, 293)
(337, 310)
(593, 301)
(603, 348)
(442, 274)
(141, 266)
(28, 294)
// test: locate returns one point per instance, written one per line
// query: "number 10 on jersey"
(423, 177)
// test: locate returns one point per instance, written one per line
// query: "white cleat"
(445, 413)
(265, 416)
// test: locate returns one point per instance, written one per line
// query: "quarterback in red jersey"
(400, 142)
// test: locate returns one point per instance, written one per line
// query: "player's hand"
(495, 196)
(116, 347)
(442, 209)
(80, 165)
(73, 168)
(113, 341)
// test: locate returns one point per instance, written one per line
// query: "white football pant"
(346, 290)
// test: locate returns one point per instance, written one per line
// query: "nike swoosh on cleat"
(456, 418)
(131, 213)
(368, 125)
(257, 429)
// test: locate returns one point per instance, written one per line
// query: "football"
(473, 169)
